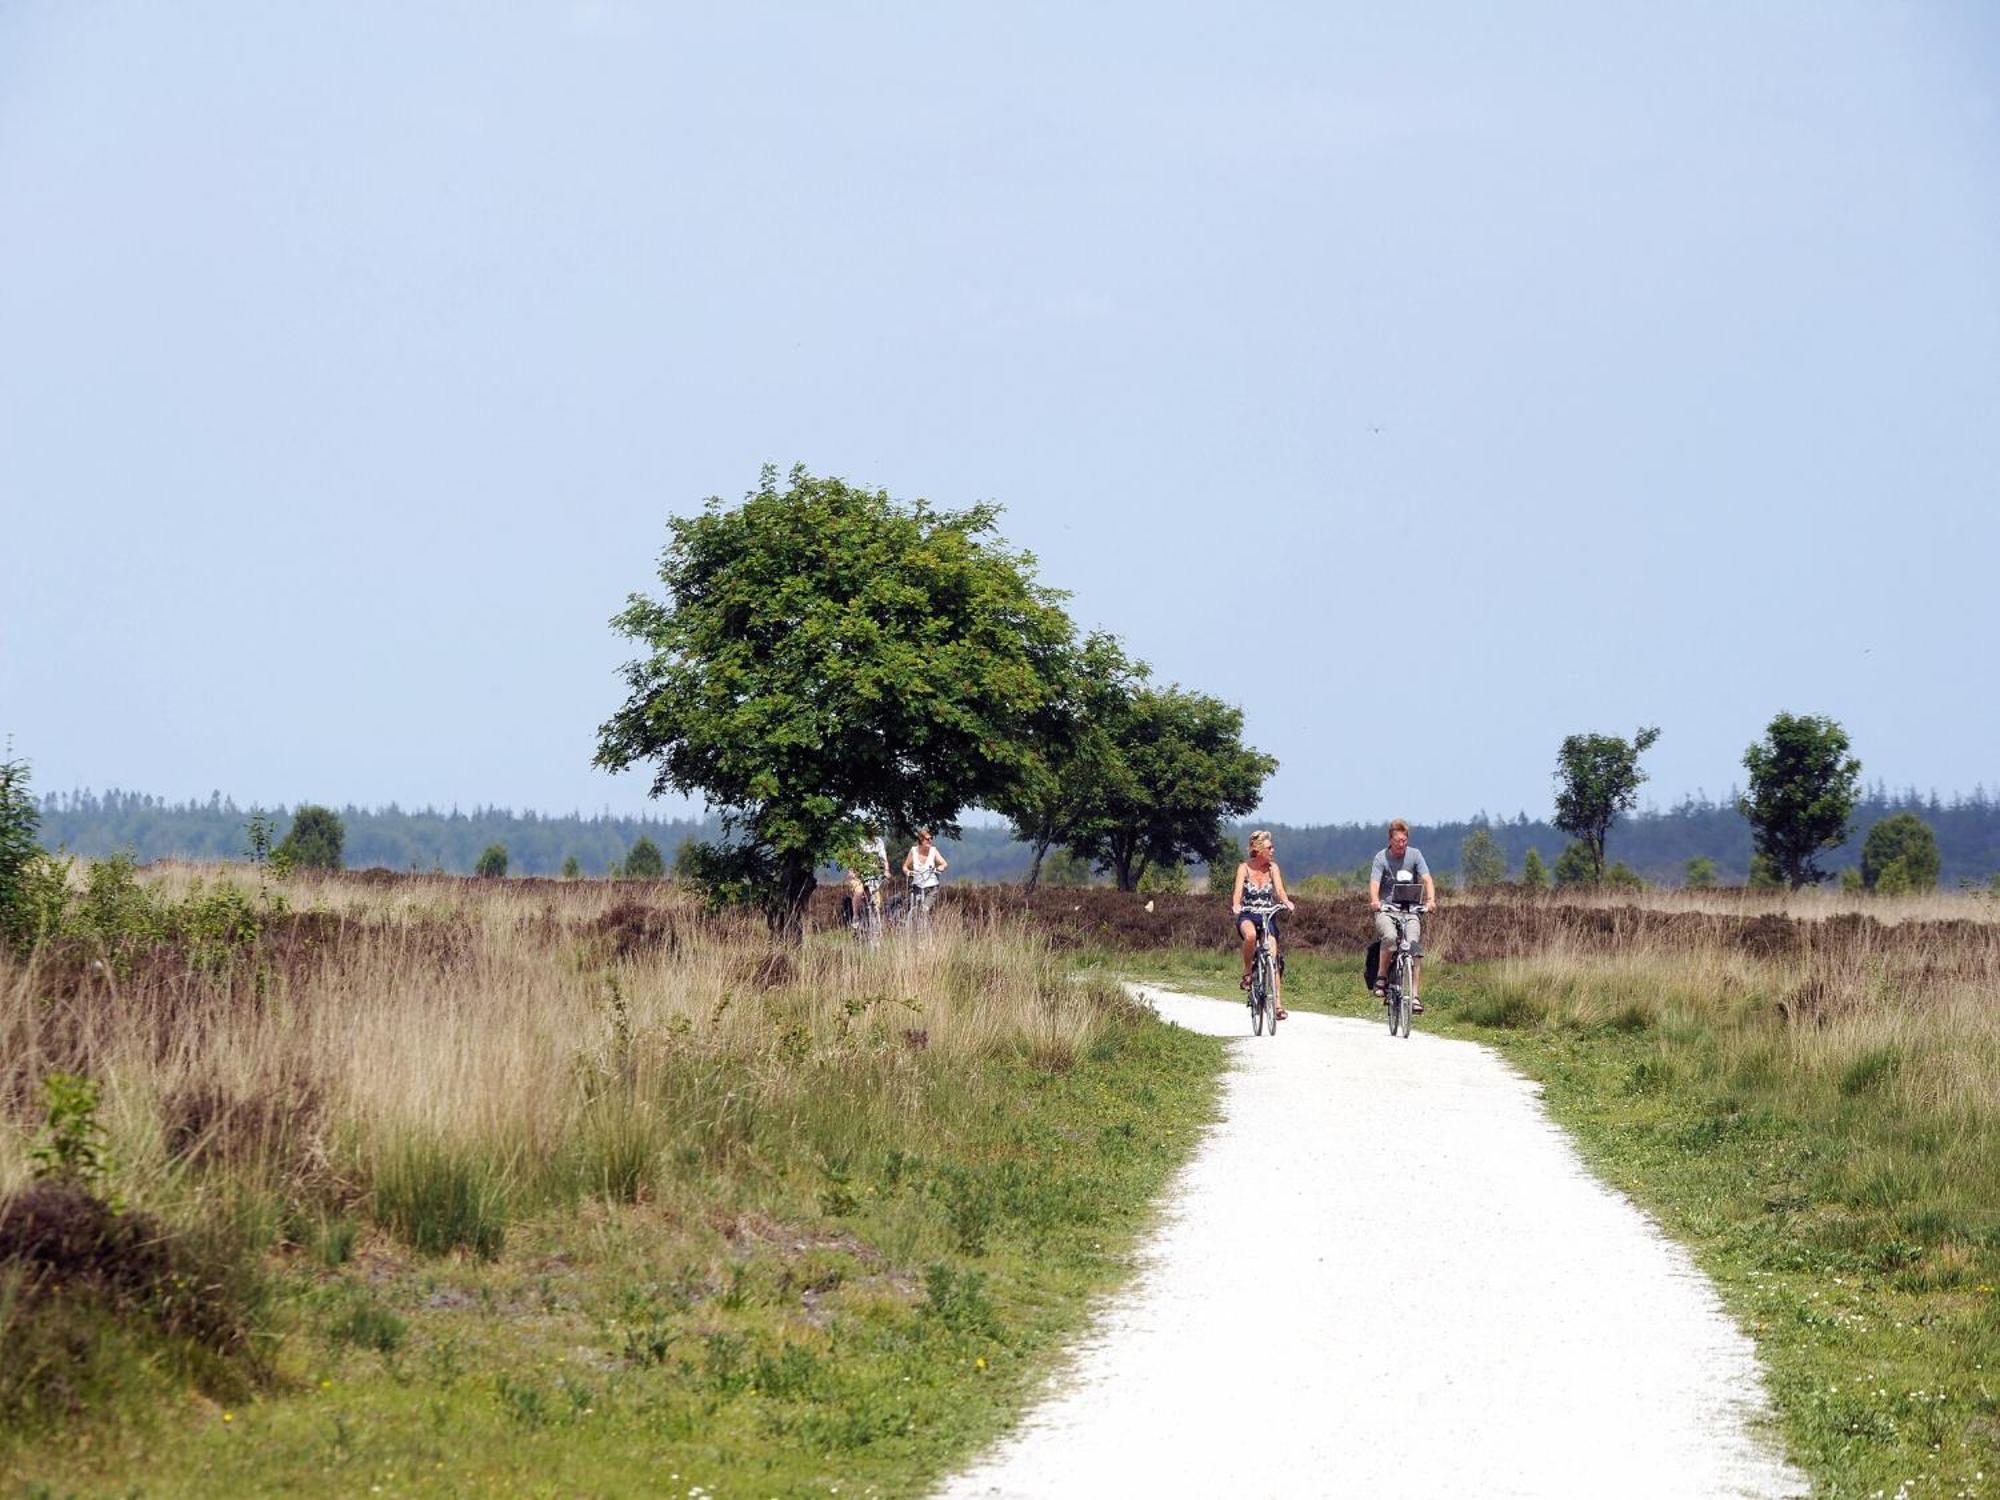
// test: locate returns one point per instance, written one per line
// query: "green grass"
(776, 1325)
(1853, 1229)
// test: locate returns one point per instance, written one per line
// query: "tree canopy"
(1480, 860)
(824, 655)
(1597, 778)
(1803, 786)
(1177, 767)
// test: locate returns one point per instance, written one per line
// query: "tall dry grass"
(444, 1054)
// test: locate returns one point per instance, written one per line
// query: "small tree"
(1573, 866)
(1803, 786)
(20, 855)
(1481, 861)
(1164, 880)
(315, 840)
(1764, 875)
(644, 861)
(1597, 778)
(1622, 877)
(1222, 868)
(1534, 874)
(1065, 869)
(492, 862)
(570, 868)
(1699, 874)
(1900, 855)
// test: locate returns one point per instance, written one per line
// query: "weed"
(437, 1198)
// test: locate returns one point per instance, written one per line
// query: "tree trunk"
(1035, 868)
(786, 915)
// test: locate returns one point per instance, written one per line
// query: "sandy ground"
(1386, 1273)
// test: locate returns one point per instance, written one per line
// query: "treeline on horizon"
(1655, 844)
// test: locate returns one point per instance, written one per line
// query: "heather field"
(431, 1186)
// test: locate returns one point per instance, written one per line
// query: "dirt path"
(1386, 1273)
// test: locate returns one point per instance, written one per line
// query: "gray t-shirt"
(1384, 870)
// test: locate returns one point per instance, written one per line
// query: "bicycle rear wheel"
(1405, 1011)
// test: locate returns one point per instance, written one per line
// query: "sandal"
(1245, 984)
(1283, 1014)
(1416, 1006)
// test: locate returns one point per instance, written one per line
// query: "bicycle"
(918, 911)
(1407, 953)
(1263, 973)
(865, 916)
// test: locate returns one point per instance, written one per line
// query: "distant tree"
(1803, 786)
(1534, 874)
(314, 841)
(20, 822)
(1222, 869)
(1622, 877)
(644, 861)
(687, 859)
(1480, 860)
(570, 868)
(1700, 873)
(1764, 874)
(1164, 880)
(1850, 880)
(1063, 868)
(1597, 778)
(824, 656)
(1573, 866)
(1900, 855)
(492, 862)
(1178, 767)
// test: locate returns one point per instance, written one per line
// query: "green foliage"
(1764, 874)
(1534, 874)
(1177, 767)
(1597, 778)
(73, 1147)
(644, 862)
(1699, 874)
(20, 821)
(492, 862)
(437, 1198)
(1900, 855)
(315, 840)
(1850, 881)
(1622, 877)
(1573, 865)
(824, 654)
(1480, 860)
(1164, 880)
(1803, 786)
(570, 868)
(1222, 868)
(1065, 869)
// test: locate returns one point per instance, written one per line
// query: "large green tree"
(1057, 799)
(1899, 855)
(823, 656)
(1597, 778)
(1803, 786)
(1178, 767)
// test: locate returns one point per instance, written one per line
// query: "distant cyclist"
(1254, 903)
(866, 875)
(1383, 890)
(923, 865)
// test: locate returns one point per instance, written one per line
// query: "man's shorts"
(1385, 929)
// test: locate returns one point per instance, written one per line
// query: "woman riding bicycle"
(1254, 903)
(923, 865)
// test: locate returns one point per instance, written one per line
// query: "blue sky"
(1433, 382)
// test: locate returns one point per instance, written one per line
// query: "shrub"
(1622, 877)
(436, 1198)
(644, 862)
(570, 868)
(315, 840)
(20, 821)
(492, 862)
(1167, 879)
(1534, 874)
(1574, 866)
(1066, 870)
(73, 1149)
(1903, 850)
(1699, 874)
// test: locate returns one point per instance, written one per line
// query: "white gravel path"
(1384, 1273)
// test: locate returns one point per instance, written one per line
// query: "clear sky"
(1432, 381)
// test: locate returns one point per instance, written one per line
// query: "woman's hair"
(923, 833)
(1261, 836)
(1397, 825)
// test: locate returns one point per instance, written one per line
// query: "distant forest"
(1656, 844)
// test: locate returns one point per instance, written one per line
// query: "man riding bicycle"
(1254, 903)
(1384, 890)
(866, 876)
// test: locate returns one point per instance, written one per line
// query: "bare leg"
(1249, 931)
(1277, 983)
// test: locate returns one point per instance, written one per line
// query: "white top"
(924, 863)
